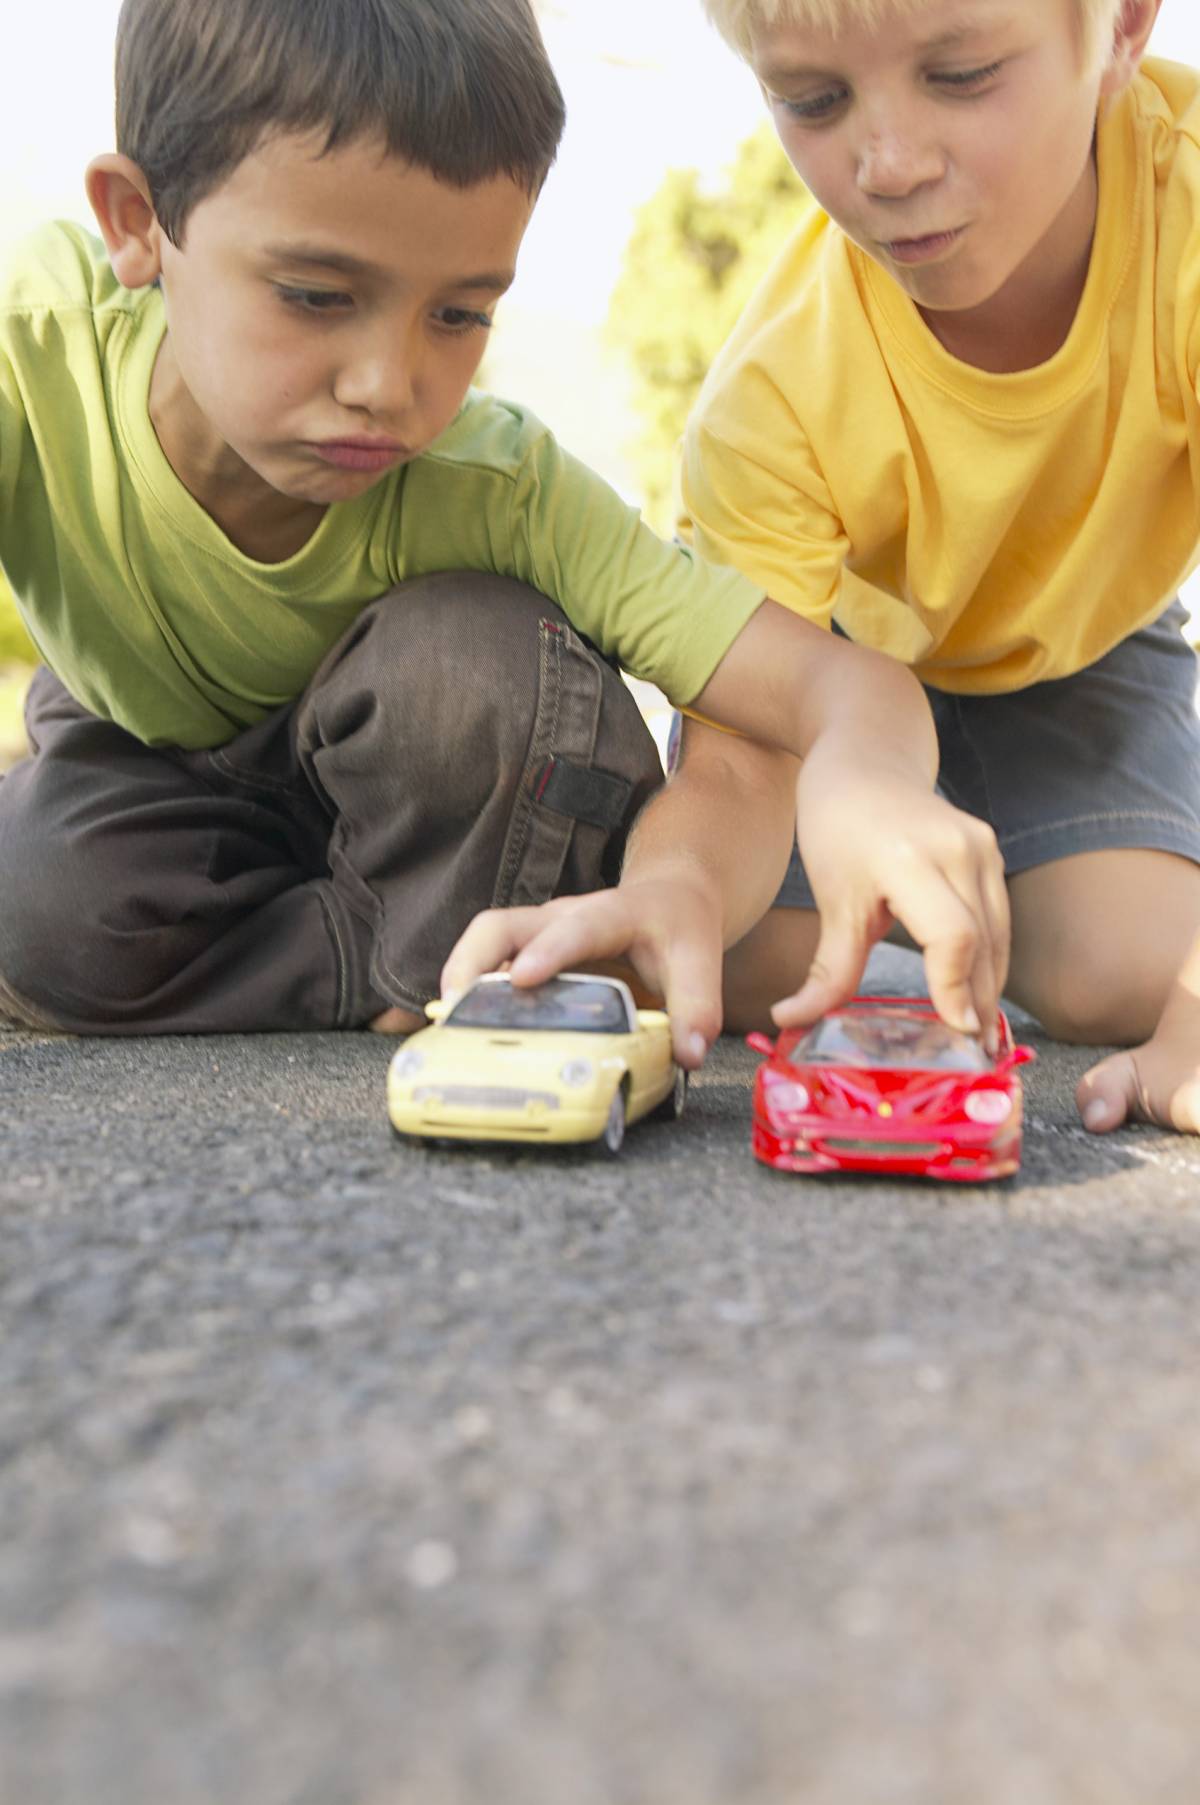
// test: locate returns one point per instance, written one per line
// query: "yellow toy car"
(570, 1060)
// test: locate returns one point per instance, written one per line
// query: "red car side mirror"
(761, 1043)
(1018, 1056)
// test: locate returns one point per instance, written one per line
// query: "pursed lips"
(361, 454)
(919, 237)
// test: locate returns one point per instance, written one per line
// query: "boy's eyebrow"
(945, 40)
(315, 256)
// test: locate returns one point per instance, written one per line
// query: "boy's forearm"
(790, 684)
(725, 822)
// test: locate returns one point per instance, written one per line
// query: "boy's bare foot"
(1151, 1083)
(397, 1021)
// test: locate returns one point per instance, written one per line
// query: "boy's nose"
(892, 163)
(383, 384)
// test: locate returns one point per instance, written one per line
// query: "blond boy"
(959, 421)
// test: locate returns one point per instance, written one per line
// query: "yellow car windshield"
(589, 1006)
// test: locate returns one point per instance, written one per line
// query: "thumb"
(834, 975)
(1109, 1094)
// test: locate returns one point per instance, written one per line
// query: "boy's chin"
(323, 486)
(936, 291)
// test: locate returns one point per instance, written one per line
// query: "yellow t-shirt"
(989, 530)
(154, 619)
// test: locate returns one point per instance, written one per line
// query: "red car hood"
(910, 1096)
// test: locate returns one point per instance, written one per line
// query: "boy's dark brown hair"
(461, 88)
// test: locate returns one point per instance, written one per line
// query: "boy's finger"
(490, 940)
(949, 970)
(834, 975)
(589, 928)
(691, 971)
(987, 906)
(984, 894)
(983, 980)
(998, 914)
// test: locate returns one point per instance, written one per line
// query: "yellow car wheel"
(612, 1135)
(675, 1101)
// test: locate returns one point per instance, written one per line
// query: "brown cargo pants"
(460, 748)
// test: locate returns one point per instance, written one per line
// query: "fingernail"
(971, 1021)
(1096, 1114)
(697, 1046)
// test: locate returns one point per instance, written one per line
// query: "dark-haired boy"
(306, 705)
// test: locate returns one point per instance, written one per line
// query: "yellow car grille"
(483, 1096)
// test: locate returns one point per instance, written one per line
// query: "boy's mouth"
(922, 250)
(361, 454)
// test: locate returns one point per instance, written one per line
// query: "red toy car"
(883, 1085)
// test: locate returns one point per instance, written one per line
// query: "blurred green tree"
(695, 256)
(15, 643)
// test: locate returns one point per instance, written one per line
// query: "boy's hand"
(668, 930)
(878, 845)
(880, 849)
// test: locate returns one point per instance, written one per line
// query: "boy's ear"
(1131, 34)
(120, 198)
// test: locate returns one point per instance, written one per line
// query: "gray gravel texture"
(334, 1472)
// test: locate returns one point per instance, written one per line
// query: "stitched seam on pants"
(340, 959)
(386, 979)
(392, 985)
(551, 652)
(255, 780)
(1183, 822)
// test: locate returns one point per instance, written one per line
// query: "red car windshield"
(891, 1040)
(584, 1008)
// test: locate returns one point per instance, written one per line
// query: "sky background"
(649, 86)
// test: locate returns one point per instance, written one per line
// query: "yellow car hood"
(500, 1056)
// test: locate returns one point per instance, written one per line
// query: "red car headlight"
(990, 1107)
(788, 1098)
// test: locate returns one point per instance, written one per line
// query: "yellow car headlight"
(577, 1072)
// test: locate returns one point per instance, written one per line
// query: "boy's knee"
(78, 943)
(460, 688)
(44, 931)
(456, 649)
(1085, 999)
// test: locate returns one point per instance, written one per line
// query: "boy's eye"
(463, 319)
(823, 105)
(818, 106)
(964, 80)
(314, 300)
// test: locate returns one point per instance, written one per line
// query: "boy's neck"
(1030, 318)
(262, 523)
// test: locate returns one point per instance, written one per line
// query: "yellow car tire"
(612, 1135)
(675, 1101)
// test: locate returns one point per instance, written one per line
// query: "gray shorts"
(1107, 758)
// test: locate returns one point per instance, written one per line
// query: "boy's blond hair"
(735, 19)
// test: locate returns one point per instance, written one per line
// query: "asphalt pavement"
(335, 1472)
